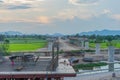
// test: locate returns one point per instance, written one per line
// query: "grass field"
(104, 44)
(26, 44)
(26, 47)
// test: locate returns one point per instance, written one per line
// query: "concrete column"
(87, 45)
(82, 43)
(111, 52)
(57, 54)
(97, 49)
(50, 46)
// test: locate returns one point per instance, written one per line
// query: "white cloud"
(20, 1)
(81, 13)
(84, 2)
(106, 11)
(44, 19)
(65, 14)
(116, 16)
(20, 4)
(27, 15)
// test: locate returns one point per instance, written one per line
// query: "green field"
(104, 44)
(26, 44)
(26, 47)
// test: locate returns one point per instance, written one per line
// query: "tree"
(77, 35)
(2, 37)
(5, 46)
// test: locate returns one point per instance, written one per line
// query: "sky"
(59, 16)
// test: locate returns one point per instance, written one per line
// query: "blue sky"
(59, 16)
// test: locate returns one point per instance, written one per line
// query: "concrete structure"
(86, 45)
(82, 44)
(50, 43)
(111, 52)
(35, 67)
(97, 49)
(37, 72)
(74, 41)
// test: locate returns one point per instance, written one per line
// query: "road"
(65, 46)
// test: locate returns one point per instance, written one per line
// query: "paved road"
(65, 46)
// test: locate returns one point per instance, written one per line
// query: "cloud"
(69, 14)
(14, 7)
(19, 4)
(66, 14)
(84, 2)
(44, 19)
(106, 11)
(26, 15)
(116, 16)
(19, 1)
(1, 1)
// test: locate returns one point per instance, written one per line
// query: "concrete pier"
(50, 44)
(87, 45)
(97, 50)
(82, 43)
(111, 52)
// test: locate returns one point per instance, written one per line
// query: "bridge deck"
(64, 69)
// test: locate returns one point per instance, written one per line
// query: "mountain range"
(102, 32)
(11, 33)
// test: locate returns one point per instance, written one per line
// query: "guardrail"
(97, 71)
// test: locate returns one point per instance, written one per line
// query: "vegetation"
(103, 45)
(104, 41)
(21, 43)
(26, 46)
(88, 65)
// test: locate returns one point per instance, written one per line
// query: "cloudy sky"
(59, 16)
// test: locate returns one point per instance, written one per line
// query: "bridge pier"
(111, 52)
(82, 44)
(86, 45)
(97, 50)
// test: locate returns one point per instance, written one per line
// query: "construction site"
(40, 65)
(56, 62)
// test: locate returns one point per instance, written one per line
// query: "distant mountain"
(54, 35)
(103, 32)
(19, 33)
(11, 33)
(57, 35)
